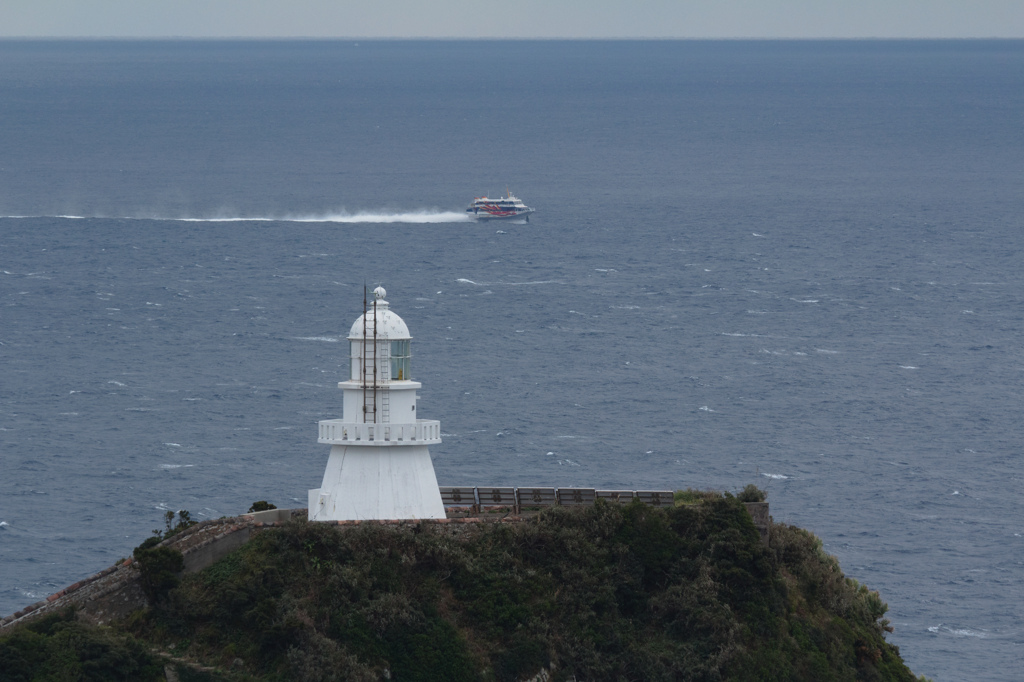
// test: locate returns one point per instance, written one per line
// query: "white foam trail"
(378, 217)
(29, 217)
(416, 217)
(463, 280)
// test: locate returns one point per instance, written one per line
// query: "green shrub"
(752, 494)
(159, 568)
(691, 496)
(58, 647)
(185, 520)
(524, 656)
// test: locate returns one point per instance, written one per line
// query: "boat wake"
(414, 217)
(418, 217)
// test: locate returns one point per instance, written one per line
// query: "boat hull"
(499, 215)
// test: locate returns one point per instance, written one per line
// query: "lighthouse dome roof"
(389, 325)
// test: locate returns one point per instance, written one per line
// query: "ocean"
(794, 264)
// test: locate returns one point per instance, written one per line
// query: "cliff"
(594, 593)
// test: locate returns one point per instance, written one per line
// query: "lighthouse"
(379, 466)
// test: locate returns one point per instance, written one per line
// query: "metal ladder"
(368, 362)
(376, 368)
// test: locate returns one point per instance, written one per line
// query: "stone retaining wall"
(115, 592)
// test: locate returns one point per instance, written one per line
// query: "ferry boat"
(506, 208)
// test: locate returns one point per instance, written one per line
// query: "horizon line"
(519, 38)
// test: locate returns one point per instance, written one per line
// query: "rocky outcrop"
(114, 593)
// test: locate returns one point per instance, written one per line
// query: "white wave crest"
(958, 632)
(463, 280)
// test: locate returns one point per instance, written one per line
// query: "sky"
(513, 18)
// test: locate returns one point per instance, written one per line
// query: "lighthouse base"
(373, 482)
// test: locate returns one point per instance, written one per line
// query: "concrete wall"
(762, 521)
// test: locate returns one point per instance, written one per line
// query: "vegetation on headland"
(594, 593)
(160, 567)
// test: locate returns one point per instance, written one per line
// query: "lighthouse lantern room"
(379, 466)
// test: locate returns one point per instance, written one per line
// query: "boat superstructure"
(507, 207)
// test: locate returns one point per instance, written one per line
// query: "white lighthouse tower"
(379, 467)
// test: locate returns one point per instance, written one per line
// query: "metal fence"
(517, 499)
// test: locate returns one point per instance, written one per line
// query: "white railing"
(338, 432)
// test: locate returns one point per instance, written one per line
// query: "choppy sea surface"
(790, 264)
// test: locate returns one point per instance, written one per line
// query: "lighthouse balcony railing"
(339, 432)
